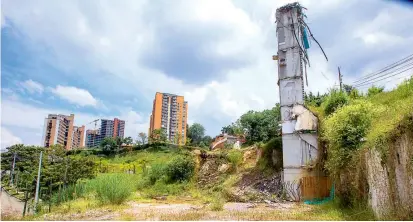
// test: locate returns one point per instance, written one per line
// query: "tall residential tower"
(108, 128)
(59, 129)
(170, 113)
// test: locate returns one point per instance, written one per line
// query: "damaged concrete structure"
(299, 125)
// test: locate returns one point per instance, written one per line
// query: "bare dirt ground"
(163, 211)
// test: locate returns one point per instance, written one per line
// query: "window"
(281, 36)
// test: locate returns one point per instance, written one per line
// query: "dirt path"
(186, 211)
(231, 211)
(10, 205)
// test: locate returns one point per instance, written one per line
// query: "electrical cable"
(385, 68)
(410, 75)
(361, 83)
(385, 77)
(312, 36)
(296, 38)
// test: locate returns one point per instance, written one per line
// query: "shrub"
(161, 188)
(266, 160)
(217, 203)
(344, 131)
(235, 157)
(374, 90)
(156, 172)
(355, 94)
(113, 188)
(335, 100)
(180, 169)
(69, 193)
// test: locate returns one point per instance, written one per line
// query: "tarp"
(318, 201)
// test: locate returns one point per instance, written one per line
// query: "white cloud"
(75, 95)
(28, 118)
(114, 37)
(32, 86)
(8, 139)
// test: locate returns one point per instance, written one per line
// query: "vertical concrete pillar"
(290, 75)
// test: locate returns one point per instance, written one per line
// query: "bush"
(344, 131)
(335, 100)
(374, 90)
(180, 169)
(156, 172)
(112, 188)
(217, 203)
(69, 193)
(266, 160)
(235, 157)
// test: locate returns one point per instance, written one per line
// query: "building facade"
(59, 129)
(169, 113)
(78, 138)
(108, 128)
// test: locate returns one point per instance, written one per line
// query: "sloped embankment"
(369, 143)
(244, 183)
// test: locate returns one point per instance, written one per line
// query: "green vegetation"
(112, 188)
(235, 157)
(334, 101)
(345, 131)
(374, 90)
(357, 124)
(257, 126)
(266, 163)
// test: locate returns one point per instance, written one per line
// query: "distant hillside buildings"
(59, 129)
(108, 128)
(170, 113)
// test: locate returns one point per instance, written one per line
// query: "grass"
(329, 211)
(113, 188)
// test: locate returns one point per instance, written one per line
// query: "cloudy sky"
(105, 59)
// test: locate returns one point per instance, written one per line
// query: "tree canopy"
(196, 133)
(256, 125)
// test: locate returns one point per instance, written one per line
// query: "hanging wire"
(312, 36)
(296, 38)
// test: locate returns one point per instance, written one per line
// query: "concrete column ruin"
(299, 136)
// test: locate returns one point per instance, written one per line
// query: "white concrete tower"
(299, 137)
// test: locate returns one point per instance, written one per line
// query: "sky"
(105, 59)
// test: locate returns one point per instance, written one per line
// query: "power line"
(366, 81)
(410, 75)
(385, 68)
(385, 77)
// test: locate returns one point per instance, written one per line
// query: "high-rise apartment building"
(59, 129)
(78, 138)
(108, 128)
(170, 113)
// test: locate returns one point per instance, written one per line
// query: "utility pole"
(340, 78)
(12, 170)
(36, 197)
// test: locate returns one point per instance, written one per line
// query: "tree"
(374, 90)
(207, 140)
(233, 129)
(335, 100)
(109, 145)
(314, 100)
(128, 140)
(196, 133)
(143, 137)
(158, 135)
(261, 126)
(348, 88)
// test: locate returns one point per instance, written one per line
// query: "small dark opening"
(398, 158)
